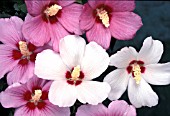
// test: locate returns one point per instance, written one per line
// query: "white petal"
(72, 50)
(151, 51)
(157, 74)
(142, 94)
(49, 65)
(95, 61)
(92, 92)
(62, 94)
(118, 80)
(123, 57)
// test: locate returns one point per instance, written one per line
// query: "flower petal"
(95, 3)
(72, 50)
(65, 2)
(24, 111)
(21, 73)
(7, 63)
(100, 35)
(62, 94)
(124, 25)
(49, 65)
(118, 80)
(157, 74)
(151, 51)
(92, 110)
(92, 92)
(70, 18)
(86, 19)
(122, 58)
(11, 30)
(121, 108)
(12, 97)
(95, 61)
(36, 30)
(142, 94)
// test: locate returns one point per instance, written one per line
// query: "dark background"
(156, 23)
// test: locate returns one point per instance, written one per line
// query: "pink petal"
(57, 32)
(36, 30)
(24, 111)
(86, 19)
(70, 18)
(121, 108)
(21, 73)
(65, 2)
(124, 25)
(11, 30)
(100, 35)
(13, 97)
(121, 5)
(7, 63)
(35, 7)
(94, 3)
(92, 110)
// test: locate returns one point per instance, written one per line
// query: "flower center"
(24, 49)
(52, 10)
(75, 76)
(136, 68)
(36, 97)
(103, 16)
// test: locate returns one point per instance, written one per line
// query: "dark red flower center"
(25, 53)
(35, 99)
(75, 77)
(51, 12)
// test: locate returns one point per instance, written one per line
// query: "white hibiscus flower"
(136, 70)
(72, 71)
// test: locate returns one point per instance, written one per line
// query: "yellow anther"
(76, 72)
(52, 10)
(137, 73)
(23, 48)
(37, 95)
(103, 15)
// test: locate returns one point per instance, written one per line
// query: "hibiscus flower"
(102, 19)
(115, 108)
(31, 99)
(51, 20)
(136, 70)
(73, 70)
(17, 54)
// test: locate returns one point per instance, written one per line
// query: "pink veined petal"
(118, 80)
(95, 3)
(157, 74)
(142, 94)
(24, 111)
(121, 6)
(92, 110)
(53, 110)
(70, 18)
(100, 35)
(13, 97)
(36, 30)
(95, 61)
(49, 65)
(92, 92)
(7, 63)
(86, 18)
(121, 108)
(64, 3)
(57, 33)
(21, 73)
(124, 25)
(11, 31)
(72, 50)
(62, 94)
(151, 51)
(122, 58)
(35, 7)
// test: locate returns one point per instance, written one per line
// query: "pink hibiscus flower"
(61, 17)
(17, 54)
(31, 99)
(115, 108)
(106, 18)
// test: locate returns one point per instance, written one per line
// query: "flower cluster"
(49, 66)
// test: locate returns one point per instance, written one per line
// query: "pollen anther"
(24, 49)
(52, 10)
(137, 73)
(75, 73)
(36, 96)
